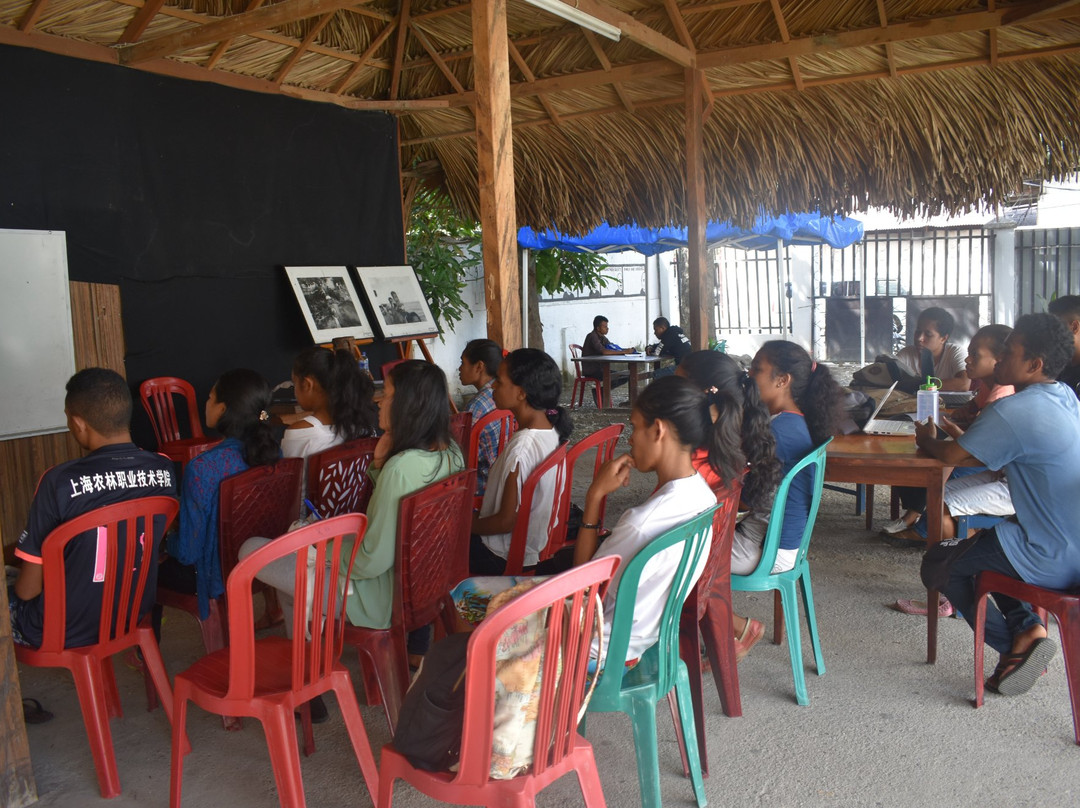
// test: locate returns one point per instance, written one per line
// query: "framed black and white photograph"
(397, 301)
(329, 302)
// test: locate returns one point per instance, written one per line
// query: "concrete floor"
(883, 728)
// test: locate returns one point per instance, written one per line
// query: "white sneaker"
(895, 526)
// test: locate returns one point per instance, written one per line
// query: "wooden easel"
(404, 346)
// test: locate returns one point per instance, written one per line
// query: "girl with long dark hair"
(528, 384)
(803, 400)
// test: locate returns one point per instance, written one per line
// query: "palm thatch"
(916, 105)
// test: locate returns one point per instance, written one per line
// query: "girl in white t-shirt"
(670, 419)
(340, 398)
(528, 384)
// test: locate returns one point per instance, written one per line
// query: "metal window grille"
(1047, 267)
(753, 291)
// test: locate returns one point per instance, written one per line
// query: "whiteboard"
(37, 349)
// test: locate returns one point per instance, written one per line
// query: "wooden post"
(701, 303)
(495, 173)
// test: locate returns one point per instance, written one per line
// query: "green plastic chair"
(786, 583)
(638, 691)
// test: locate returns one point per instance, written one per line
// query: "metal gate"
(1047, 267)
(753, 291)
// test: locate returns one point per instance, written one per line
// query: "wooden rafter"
(300, 49)
(223, 46)
(140, 20)
(605, 62)
(399, 49)
(369, 51)
(890, 57)
(1037, 11)
(667, 101)
(875, 36)
(785, 36)
(638, 32)
(679, 24)
(32, 15)
(246, 22)
(425, 43)
(992, 40)
(526, 71)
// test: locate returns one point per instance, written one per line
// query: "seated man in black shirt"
(673, 342)
(1067, 309)
(598, 344)
(98, 409)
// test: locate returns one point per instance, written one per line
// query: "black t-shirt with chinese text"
(111, 474)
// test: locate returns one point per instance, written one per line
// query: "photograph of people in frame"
(329, 303)
(397, 300)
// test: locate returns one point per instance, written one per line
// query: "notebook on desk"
(876, 427)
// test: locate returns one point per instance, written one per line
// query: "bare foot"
(1022, 641)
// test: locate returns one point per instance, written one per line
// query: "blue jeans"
(951, 567)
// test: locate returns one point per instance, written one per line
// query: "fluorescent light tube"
(578, 17)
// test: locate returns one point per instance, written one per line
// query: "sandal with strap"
(1018, 673)
(751, 633)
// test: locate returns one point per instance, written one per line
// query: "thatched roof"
(815, 104)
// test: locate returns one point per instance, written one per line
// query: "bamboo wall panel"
(99, 342)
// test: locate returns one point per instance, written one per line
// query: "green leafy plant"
(441, 245)
(558, 270)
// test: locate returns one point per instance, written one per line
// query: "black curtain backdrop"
(191, 197)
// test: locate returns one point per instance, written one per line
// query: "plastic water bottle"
(363, 364)
(926, 401)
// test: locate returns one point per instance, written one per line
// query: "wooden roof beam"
(369, 51)
(140, 20)
(526, 71)
(236, 25)
(890, 56)
(605, 62)
(223, 46)
(421, 37)
(299, 51)
(399, 49)
(32, 15)
(1037, 11)
(638, 32)
(679, 24)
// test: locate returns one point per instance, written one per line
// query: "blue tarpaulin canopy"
(789, 228)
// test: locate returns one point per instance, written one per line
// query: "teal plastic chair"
(786, 583)
(637, 692)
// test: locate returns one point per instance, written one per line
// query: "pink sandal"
(945, 609)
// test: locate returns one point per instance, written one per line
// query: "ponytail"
(349, 393)
(351, 397)
(537, 374)
(246, 396)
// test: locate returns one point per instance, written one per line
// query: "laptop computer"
(876, 427)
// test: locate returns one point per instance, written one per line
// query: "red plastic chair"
(122, 591)
(603, 441)
(262, 501)
(1065, 606)
(560, 513)
(558, 748)
(337, 480)
(582, 382)
(507, 425)
(707, 615)
(157, 399)
(461, 429)
(271, 677)
(432, 557)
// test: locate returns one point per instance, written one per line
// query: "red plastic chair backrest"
(123, 569)
(434, 525)
(262, 501)
(320, 547)
(337, 480)
(507, 425)
(718, 564)
(157, 399)
(575, 355)
(603, 441)
(556, 523)
(571, 607)
(461, 429)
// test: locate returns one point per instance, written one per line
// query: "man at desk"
(1034, 436)
(598, 344)
(98, 409)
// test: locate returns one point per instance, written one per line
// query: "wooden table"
(633, 362)
(895, 460)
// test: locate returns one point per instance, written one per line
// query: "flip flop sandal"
(34, 713)
(1023, 670)
(907, 606)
